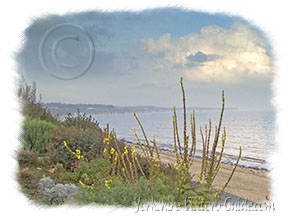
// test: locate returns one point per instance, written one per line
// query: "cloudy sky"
(138, 58)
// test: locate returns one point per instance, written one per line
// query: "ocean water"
(253, 130)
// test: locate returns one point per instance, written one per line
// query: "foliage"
(26, 158)
(210, 162)
(51, 193)
(88, 141)
(28, 180)
(81, 120)
(94, 172)
(29, 105)
(36, 134)
(123, 193)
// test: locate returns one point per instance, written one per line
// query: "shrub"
(28, 181)
(30, 106)
(88, 141)
(26, 158)
(36, 134)
(51, 193)
(123, 193)
(81, 120)
(94, 172)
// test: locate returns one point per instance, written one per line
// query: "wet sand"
(251, 184)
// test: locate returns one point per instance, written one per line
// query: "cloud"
(215, 54)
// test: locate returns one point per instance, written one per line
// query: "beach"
(247, 183)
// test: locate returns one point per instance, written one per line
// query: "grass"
(108, 172)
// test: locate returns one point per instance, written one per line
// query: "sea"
(253, 130)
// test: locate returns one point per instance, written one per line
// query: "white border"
(16, 16)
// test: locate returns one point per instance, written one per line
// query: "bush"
(28, 181)
(81, 120)
(88, 141)
(36, 134)
(94, 172)
(26, 158)
(51, 193)
(123, 193)
(30, 106)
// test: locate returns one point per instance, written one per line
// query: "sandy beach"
(247, 183)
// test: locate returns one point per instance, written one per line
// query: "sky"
(137, 58)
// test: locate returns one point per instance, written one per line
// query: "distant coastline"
(63, 108)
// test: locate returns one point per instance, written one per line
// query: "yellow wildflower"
(199, 178)
(116, 156)
(134, 131)
(112, 151)
(84, 185)
(107, 183)
(133, 149)
(77, 153)
(106, 140)
(126, 151)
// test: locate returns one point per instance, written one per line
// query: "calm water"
(253, 130)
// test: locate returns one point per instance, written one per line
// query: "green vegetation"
(105, 170)
(36, 132)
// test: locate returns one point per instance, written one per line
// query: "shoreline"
(199, 157)
(247, 183)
